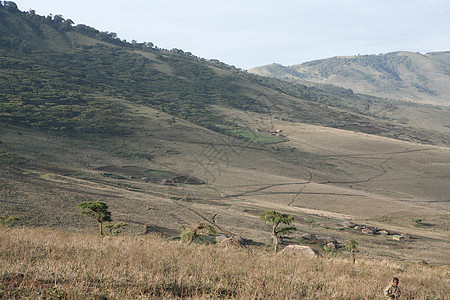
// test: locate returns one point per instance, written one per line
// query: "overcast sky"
(250, 33)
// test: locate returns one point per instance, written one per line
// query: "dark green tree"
(276, 218)
(97, 210)
(351, 246)
(190, 233)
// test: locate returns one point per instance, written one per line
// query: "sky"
(251, 33)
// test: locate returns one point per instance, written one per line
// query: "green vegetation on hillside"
(59, 77)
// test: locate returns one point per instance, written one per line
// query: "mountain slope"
(49, 58)
(398, 75)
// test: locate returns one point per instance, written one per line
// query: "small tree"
(9, 221)
(351, 246)
(190, 233)
(276, 218)
(97, 210)
(417, 222)
(116, 228)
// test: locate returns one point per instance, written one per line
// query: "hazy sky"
(249, 33)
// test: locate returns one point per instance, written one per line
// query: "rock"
(220, 238)
(367, 231)
(331, 245)
(298, 249)
(330, 239)
(231, 242)
(238, 238)
(385, 232)
(308, 236)
(406, 236)
(165, 182)
(348, 224)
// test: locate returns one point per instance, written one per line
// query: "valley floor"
(322, 176)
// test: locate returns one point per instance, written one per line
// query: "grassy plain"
(38, 263)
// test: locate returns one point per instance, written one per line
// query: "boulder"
(331, 245)
(348, 224)
(231, 242)
(220, 238)
(330, 239)
(385, 232)
(303, 250)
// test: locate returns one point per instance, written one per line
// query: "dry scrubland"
(37, 263)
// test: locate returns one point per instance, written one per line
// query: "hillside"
(167, 138)
(408, 76)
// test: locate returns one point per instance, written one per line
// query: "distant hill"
(397, 75)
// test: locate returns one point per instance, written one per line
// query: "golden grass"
(37, 263)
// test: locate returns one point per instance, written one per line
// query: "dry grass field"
(54, 264)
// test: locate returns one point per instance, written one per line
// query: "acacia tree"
(97, 210)
(351, 246)
(191, 233)
(276, 218)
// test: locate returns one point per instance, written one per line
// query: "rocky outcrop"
(302, 250)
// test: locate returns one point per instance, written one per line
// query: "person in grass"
(393, 291)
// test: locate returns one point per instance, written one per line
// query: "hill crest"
(401, 75)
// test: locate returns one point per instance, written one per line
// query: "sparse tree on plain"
(190, 233)
(351, 246)
(276, 218)
(97, 210)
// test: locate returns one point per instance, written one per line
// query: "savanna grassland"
(168, 139)
(54, 264)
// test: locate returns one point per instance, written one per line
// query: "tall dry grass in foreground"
(38, 263)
